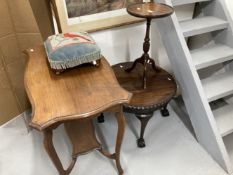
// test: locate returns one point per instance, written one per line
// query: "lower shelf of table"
(82, 136)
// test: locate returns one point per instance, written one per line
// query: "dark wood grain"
(161, 87)
(149, 10)
(76, 94)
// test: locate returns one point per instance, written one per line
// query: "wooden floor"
(171, 150)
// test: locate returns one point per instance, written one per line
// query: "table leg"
(144, 119)
(49, 147)
(101, 118)
(120, 134)
(145, 74)
(164, 111)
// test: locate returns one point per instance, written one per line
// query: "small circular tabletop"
(150, 10)
(161, 86)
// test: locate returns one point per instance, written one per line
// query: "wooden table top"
(149, 10)
(161, 86)
(75, 94)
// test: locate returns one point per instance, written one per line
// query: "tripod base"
(145, 63)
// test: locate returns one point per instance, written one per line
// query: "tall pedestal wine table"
(151, 86)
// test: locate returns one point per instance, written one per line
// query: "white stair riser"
(182, 2)
(224, 118)
(218, 86)
(202, 25)
(208, 56)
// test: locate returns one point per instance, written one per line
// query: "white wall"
(122, 43)
(230, 6)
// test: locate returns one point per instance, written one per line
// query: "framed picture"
(92, 15)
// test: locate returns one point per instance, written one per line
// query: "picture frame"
(92, 22)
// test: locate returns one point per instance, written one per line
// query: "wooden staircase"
(213, 126)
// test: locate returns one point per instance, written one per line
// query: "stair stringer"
(193, 94)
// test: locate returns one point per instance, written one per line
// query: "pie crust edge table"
(161, 88)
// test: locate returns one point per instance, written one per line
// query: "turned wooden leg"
(120, 134)
(144, 119)
(49, 147)
(101, 118)
(144, 74)
(164, 111)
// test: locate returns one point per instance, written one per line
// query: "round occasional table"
(161, 87)
(148, 11)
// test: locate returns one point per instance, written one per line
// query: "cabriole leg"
(120, 134)
(49, 147)
(144, 119)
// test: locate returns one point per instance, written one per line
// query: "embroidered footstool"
(68, 50)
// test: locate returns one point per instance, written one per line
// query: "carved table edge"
(62, 119)
(59, 119)
(152, 106)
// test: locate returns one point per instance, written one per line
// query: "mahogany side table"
(73, 99)
(161, 87)
(148, 10)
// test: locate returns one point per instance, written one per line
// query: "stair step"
(224, 119)
(218, 86)
(182, 2)
(202, 25)
(208, 56)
